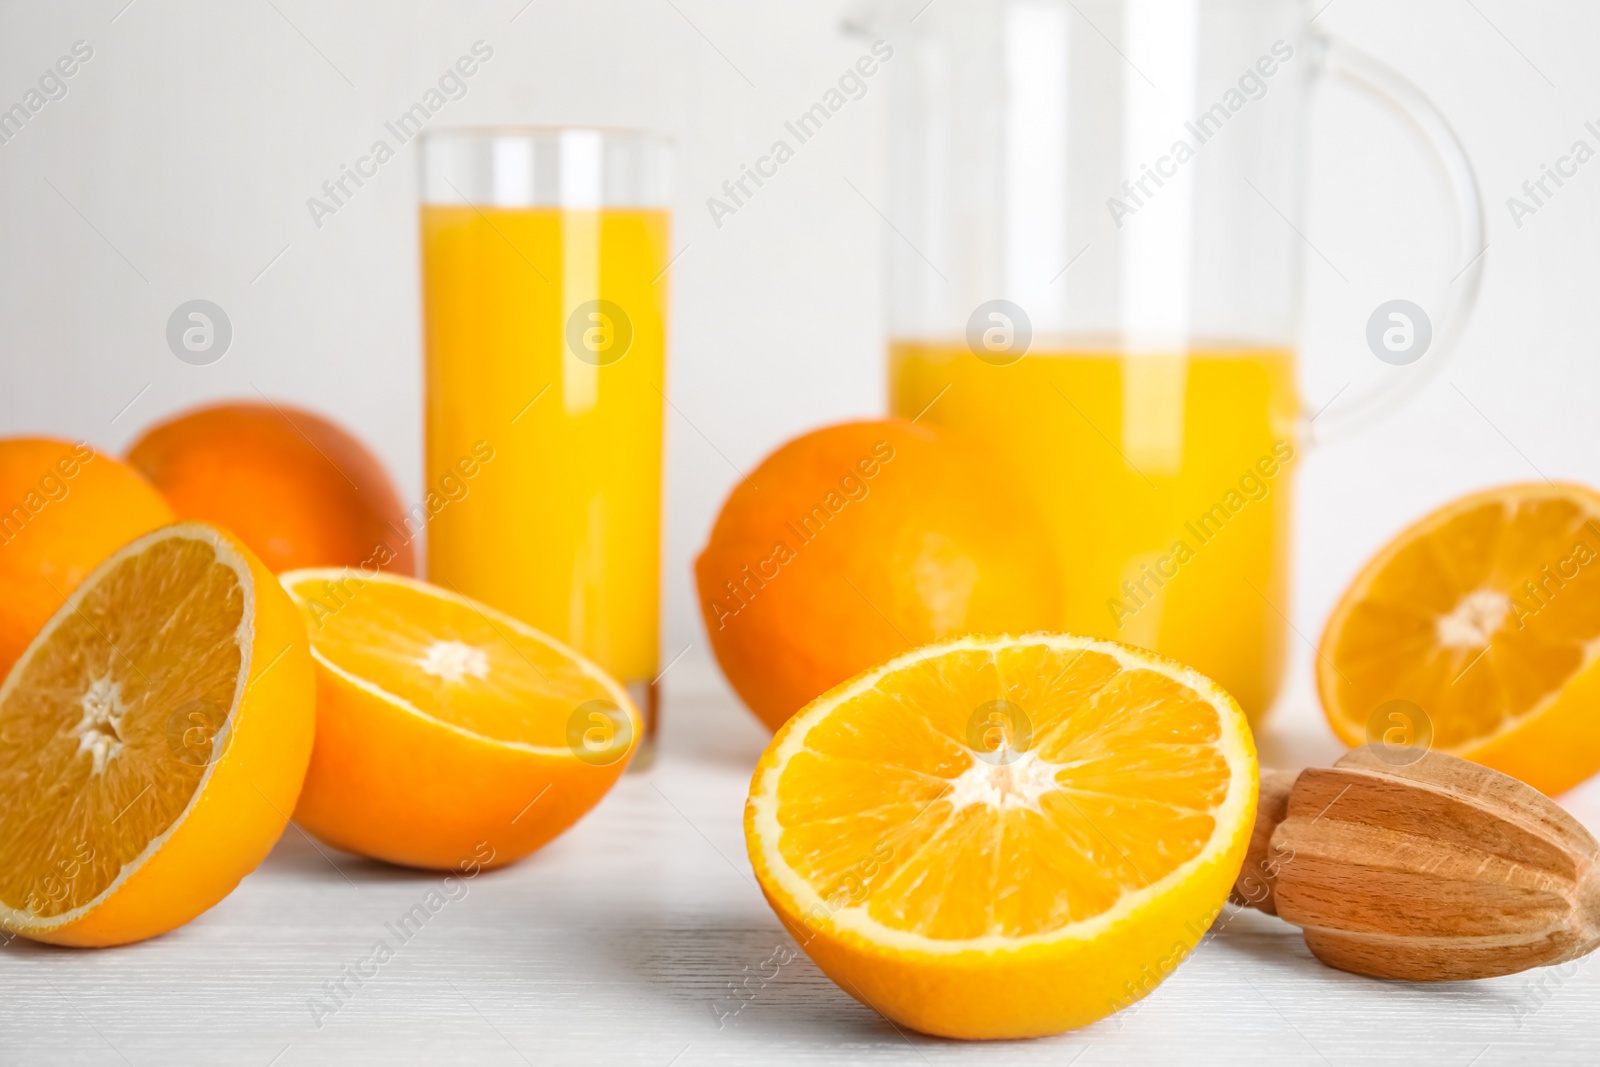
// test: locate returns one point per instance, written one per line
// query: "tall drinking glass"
(545, 316)
(1096, 266)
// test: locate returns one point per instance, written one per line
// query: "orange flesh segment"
(450, 660)
(1114, 787)
(108, 731)
(1477, 619)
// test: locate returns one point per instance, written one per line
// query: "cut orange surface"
(1005, 837)
(448, 733)
(1478, 628)
(153, 739)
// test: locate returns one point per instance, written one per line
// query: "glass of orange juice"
(544, 255)
(1095, 267)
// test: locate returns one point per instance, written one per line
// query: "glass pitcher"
(1096, 267)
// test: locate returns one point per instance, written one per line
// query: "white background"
(179, 164)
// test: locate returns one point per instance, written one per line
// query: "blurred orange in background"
(297, 489)
(857, 542)
(63, 508)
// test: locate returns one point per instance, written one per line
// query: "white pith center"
(1016, 784)
(454, 660)
(1475, 620)
(100, 730)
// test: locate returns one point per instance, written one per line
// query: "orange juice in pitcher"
(1165, 480)
(1095, 274)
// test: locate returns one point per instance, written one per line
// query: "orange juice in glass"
(545, 311)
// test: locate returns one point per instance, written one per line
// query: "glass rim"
(518, 166)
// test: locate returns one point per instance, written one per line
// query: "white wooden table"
(618, 944)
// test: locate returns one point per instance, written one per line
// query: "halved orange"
(448, 734)
(1005, 837)
(1477, 630)
(153, 738)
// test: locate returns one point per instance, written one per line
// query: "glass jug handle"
(1345, 415)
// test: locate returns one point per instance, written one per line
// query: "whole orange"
(63, 508)
(857, 542)
(297, 489)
